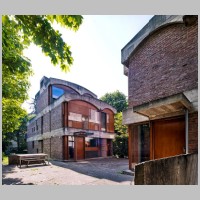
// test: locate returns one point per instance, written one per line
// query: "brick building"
(70, 122)
(161, 62)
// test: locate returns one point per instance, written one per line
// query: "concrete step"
(128, 172)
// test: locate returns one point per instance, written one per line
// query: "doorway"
(79, 148)
(168, 137)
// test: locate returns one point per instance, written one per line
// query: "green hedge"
(120, 146)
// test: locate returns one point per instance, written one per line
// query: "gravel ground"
(106, 171)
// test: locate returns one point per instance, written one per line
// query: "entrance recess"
(80, 148)
(168, 137)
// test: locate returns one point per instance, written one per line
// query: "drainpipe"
(186, 131)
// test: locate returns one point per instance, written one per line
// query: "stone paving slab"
(88, 172)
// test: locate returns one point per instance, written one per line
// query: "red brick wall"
(34, 149)
(57, 148)
(42, 101)
(164, 64)
(193, 132)
(46, 122)
(104, 147)
(46, 146)
(56, 118)
(53, 147)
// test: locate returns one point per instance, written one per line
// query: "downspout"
(186, 131)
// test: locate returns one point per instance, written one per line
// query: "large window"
(57, 92)
(91, 142)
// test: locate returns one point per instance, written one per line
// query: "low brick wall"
(177, 170)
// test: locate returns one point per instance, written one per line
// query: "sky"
(96, 50)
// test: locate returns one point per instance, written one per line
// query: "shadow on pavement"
(110, 169)
(7, 169)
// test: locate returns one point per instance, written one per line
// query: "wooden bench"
(33, 159)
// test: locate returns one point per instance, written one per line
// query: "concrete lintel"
(96, 134)
(130, 117)
(70, 131)
(164, 101)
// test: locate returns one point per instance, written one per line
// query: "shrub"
(120, 146)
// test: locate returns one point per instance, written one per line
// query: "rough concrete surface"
(104, 171)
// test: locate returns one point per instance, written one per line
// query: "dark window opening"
(36, 125)
(33, 144)
(103, 121)
(91, 142)
(144, 144)
(71, 146)
(42, 125)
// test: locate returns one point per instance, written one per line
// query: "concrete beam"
(70, 131)
(192, 96)
(130, 117)
(175, 103)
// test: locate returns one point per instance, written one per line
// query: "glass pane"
(91, 142)
(57, 92)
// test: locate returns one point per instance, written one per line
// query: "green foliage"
(116, 99)
(38, 29)
(4, 159)
(120, 146)
(119, 102)
(12, 113)
(17, 135)
(119, 128)
(18, 31)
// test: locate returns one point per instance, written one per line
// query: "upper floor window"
(57, 92)
(103, 121)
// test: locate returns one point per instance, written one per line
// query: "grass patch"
(4, 159)
(34, 169)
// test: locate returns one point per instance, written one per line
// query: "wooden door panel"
(169, 137)
(80, 148)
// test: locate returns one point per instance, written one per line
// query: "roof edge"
(154, 23)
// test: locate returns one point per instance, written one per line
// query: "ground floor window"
(92, 147)
(71, 147)
(91, 142)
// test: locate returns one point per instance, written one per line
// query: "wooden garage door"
(80, 148)
(169, 137)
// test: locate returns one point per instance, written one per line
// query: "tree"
(120, 146)
(17, 135)
(18, 31)
(116, 99)
(120, 129)
(120, 143)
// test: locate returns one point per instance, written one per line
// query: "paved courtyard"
(101, 171)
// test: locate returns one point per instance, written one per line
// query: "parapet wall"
(177, 170)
